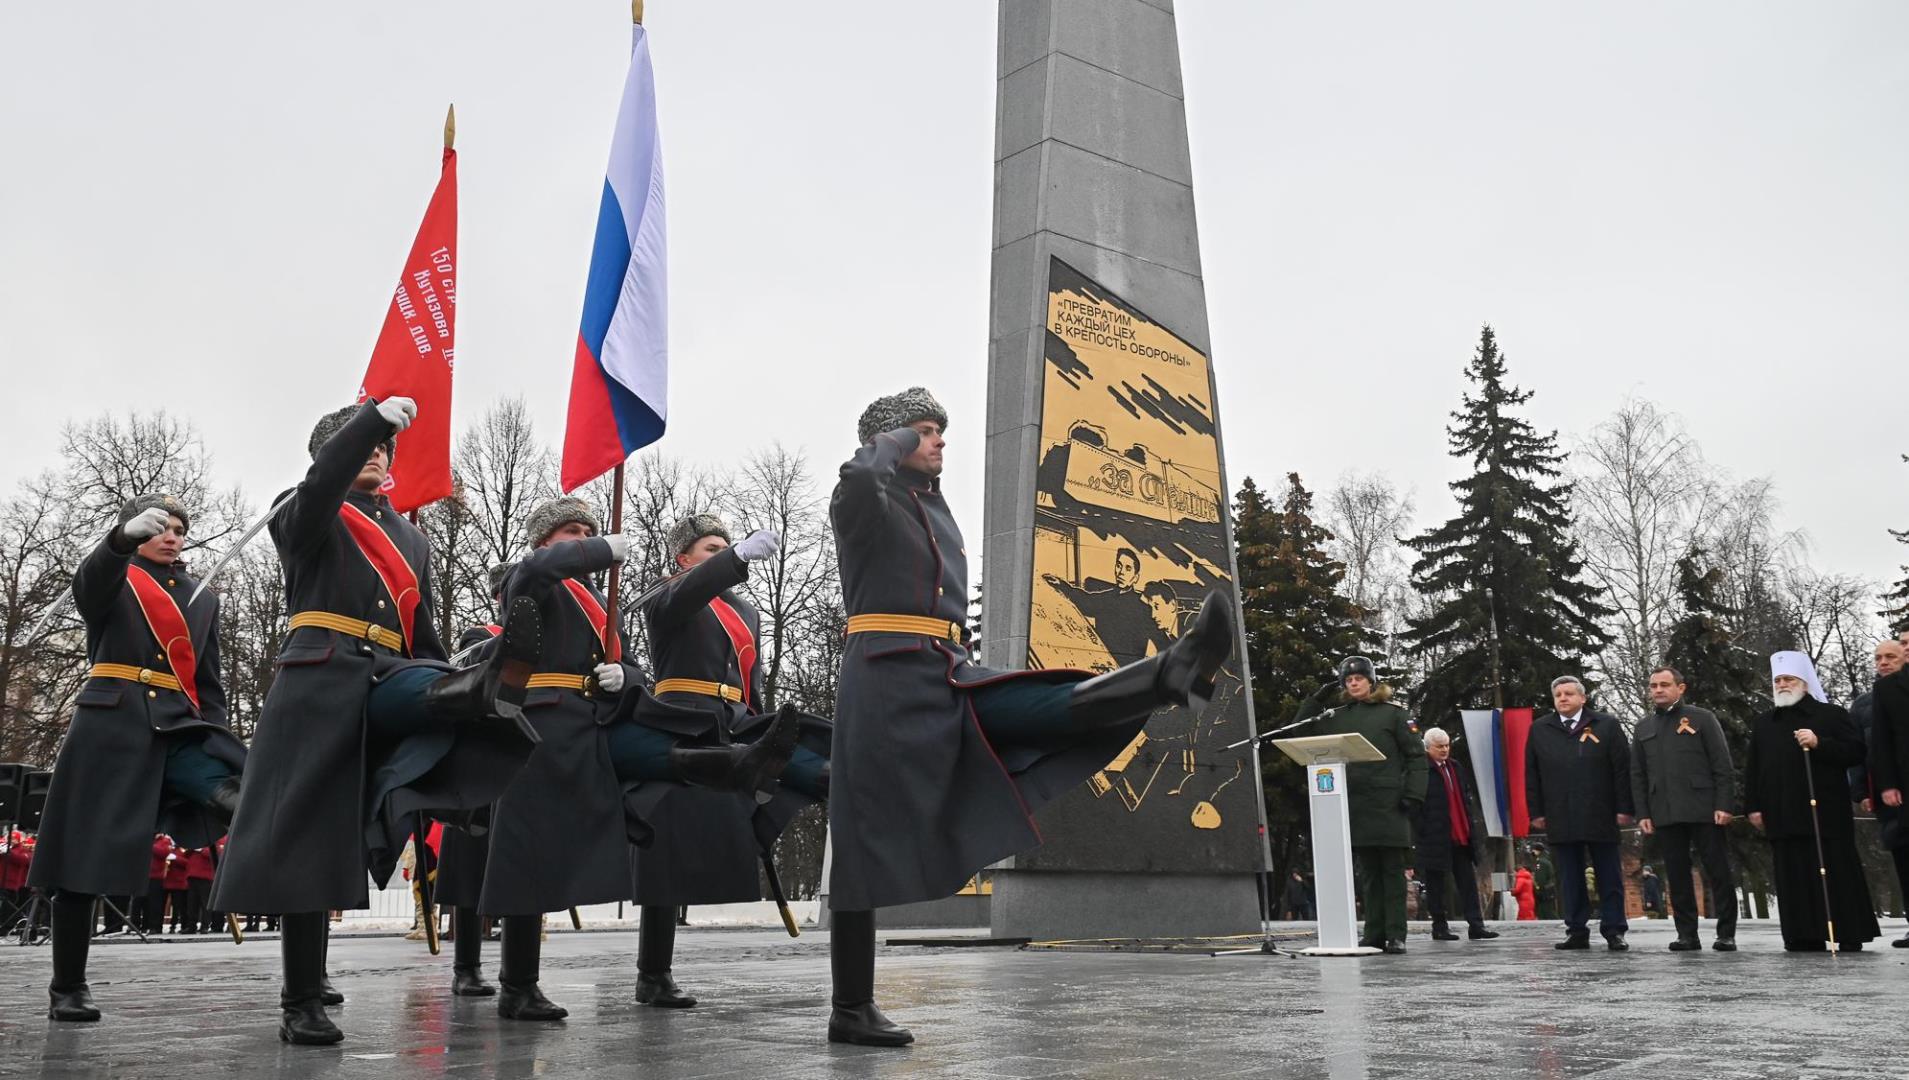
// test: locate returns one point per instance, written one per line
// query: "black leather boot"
(224, 801)
(1479, 933)
(302, 1018)
(853, 1017)
(748, 767)
(655, 943)
(1182, 675)
(1441, 931)
(467, 955)
(493, 692)
(328, 993)
(519, 997)
(70, 998)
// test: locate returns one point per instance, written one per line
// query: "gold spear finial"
(636, 12)
(450, 127)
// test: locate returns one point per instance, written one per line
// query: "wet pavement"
(204, 1008)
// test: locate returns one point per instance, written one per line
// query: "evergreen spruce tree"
(1896, 599)
(1721, 675)
(1297, 629)
(1507, 553)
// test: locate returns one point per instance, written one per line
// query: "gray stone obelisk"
(1094, 199)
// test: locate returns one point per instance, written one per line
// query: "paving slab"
(203, 1008)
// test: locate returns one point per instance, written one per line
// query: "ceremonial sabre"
(239, 545)
(423, 891)
(775, 890)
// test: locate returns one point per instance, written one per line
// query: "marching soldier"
(1384, 795)
(149, 746)
(703, 649)
(560, 834)
(464, 854)
(365, 725)
(938, 762)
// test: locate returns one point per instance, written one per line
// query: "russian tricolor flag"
(1497, 739)
(619, 384)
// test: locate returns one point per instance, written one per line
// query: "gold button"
(159, 656)
(938, 590)
(586, 693)
(381, 603)
(170, 584)
(152, 693)
(377, 513)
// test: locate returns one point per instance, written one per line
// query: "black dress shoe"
(72, 1006)
(1397, 948)
(329, 994)
(661, 991)
(305, 1024)
(1444, 935)
(1616, 943)
(1900, 943)
(1724, 944)
(1574, 941)
(1479, 933)
(1686, 944)
(864, 1025)
(469, 982)
(527, 1002)
(1371, 943)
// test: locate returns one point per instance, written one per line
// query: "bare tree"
(1367, 514)
(1644, 494)
(502, 473)
(794, 588)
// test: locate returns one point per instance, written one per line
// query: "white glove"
(759, 545)
(619, 546)
(146, 524)
(398, 411)
(610, 677)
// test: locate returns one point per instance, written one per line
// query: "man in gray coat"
(1684, 786)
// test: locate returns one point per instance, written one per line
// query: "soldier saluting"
(365, 724)
(703, 637)
(938, 763)
(560, 835)
(149, 748)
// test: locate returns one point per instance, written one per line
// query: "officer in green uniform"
(1545, 878)
(1384, 796)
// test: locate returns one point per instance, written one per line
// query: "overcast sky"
(204, 206)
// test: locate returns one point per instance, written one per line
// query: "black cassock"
(1776, 786)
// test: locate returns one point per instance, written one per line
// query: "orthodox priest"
(1795, 790)
(939, 763)
(149, 747)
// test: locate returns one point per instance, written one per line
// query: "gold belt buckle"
(145, 675)
(379, 635)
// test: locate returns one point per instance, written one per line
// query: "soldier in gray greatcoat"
(939, 763)
(1684, 792)
(703, 638)
(149, 746)
(366, 726)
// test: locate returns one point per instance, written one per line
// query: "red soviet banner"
(416, 351)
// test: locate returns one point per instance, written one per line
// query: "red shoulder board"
(399, 579)
(168, 626)
(599, 621)
(740, 638)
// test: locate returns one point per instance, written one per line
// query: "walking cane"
(1822, 866)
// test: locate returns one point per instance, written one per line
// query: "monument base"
(1053, 905)
(960, 912)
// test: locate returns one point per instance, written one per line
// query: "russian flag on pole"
(1497, 739)
(620, 380)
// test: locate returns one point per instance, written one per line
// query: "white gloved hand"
(759, 545)
(610, 677)
(619, 546)
(398, 411)
(146, 524)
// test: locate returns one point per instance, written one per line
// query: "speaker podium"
(1325, 757)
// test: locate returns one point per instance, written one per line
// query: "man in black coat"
(149, 747)
(365, 725)
(1793, 792)
(1446, 835)
(1890, 655)
(709, 845)
(939, 763)
(1683, 791)
(1578, 792)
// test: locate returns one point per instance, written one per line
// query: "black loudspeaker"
(33, 799)
(11, 777)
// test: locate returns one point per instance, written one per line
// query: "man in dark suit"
(1446, 835)
(1578, 791)
(1684, 789)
